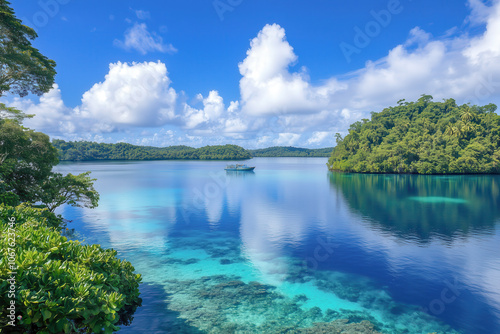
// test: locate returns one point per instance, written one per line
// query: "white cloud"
(318, 137)
(418, 36)
(213, 108)
(161, 138)
(142, 14)
(287, 139)
(485, 48)
(137, 94)
(235, 127)
(213, 119)
(233, 107)
(479, 12)
(140, 39)
(131, 95)
(267, 87)
(51, 115)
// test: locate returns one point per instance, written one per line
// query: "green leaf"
(46, 314)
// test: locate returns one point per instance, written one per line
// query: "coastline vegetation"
(91, 151)
(49, 284)
(289, 151)
(422, 137)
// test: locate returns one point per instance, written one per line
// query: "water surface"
(291, 245)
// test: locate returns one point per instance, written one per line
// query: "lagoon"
(292, 244)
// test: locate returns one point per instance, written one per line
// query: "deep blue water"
(293, 244)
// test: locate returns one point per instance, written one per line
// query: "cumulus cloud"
(287, 139)
(267, 87)
(213, 108)
(318, 137)
(213, 118)
(131, 96)
(51, 115)
(138, 38)
(137, 94)
(486, 48)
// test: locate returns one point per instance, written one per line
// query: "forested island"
(89, 151)
(289, 151)
(422, 137)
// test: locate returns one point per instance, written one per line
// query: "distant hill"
(422, 137)
(89, 151)
(288, 151)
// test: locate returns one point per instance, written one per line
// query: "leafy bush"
(62, 285)
(26, 212)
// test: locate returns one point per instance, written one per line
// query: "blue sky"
(252, 73)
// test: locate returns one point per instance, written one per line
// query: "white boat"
(239, 168)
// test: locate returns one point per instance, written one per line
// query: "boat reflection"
(240, 173)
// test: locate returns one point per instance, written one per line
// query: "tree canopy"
(23, 69)
(89, 151)
(288, 151)
(422, 137)
(75, 190)
(26, 159)
(12, 113)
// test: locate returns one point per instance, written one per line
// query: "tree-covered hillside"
(88, 151)
(423, 137)
(288, 151)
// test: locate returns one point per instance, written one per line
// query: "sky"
(254, 73)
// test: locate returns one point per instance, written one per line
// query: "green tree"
(26, 159)
(75, 190)
(23, 69)
(12, 113)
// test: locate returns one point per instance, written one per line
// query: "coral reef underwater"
(215, 288)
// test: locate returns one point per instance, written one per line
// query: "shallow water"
(292, 245)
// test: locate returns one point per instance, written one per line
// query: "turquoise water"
(292, 245)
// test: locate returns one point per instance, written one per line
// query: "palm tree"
(453, 131)
(450, 132)
(466, 127)
(467, 115)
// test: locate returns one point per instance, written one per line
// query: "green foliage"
(25, 211)
(9, 198)
(12, 113)
(288, 151)
(75, 190)
(26, 159)
(422, 137)
(23, 69)
(63, 286)
(89, 151)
